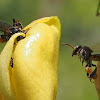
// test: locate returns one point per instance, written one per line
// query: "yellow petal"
(48, 20)
(36, 61)
(5, 56)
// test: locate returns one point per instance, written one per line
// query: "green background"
(80, 25)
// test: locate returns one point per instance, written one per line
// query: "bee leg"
(17, 23)
(86, 65)
(20, 38)
(94, 74)
(82, 62)
(24, 31)
(11, 62)
(88, 75)
(93, 65)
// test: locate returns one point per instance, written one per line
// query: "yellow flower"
(34, 75)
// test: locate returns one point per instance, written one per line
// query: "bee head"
(76, 50)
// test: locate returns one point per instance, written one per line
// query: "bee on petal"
(9, 30)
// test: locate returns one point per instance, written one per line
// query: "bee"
(10, 30)
(84, 54)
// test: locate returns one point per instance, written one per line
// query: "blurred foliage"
(80, 25)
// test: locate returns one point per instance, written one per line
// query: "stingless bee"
(84, 53)
(10, 30)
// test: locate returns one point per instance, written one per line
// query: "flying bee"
(84, 53)
(10, 30)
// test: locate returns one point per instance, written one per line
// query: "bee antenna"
(68, 45)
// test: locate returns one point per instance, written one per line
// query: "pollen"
(88, 70)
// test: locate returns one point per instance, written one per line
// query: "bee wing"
(4, 26)
(2, 39)
(95, 47)
(95, 57)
